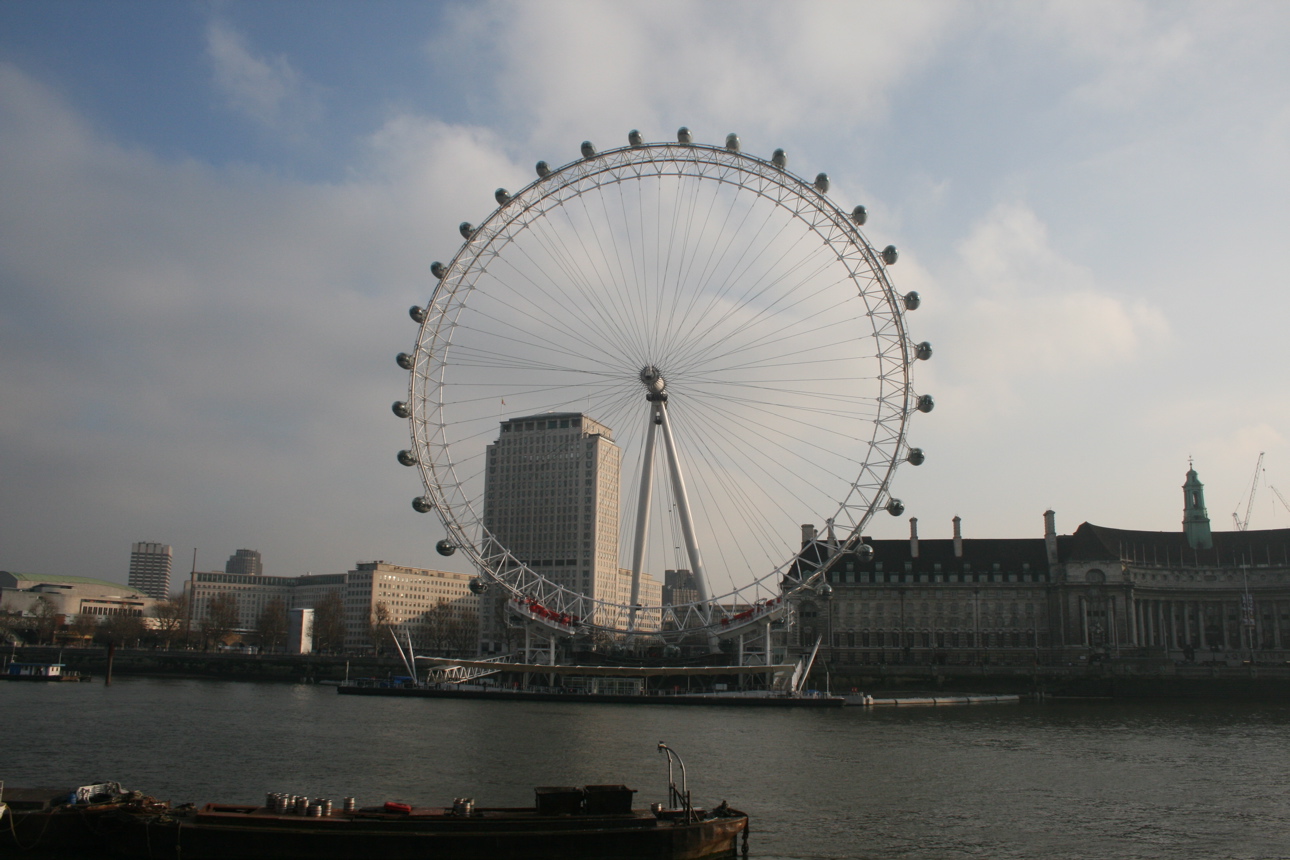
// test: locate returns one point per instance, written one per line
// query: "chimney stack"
(913, 537)
(958, 538)
(808, 534)
(1050, 536)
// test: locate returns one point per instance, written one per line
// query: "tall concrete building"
(551, 498)
(246, 562)
(150, 569)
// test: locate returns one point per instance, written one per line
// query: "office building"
(435, 608)
(150, 569)
(551, 498)
(246, 562)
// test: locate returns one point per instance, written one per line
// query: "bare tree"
(271, 626)
(451, 629)
(172, 618)
(121, 629)
(381, 625)
(221, 619)
(44, 619)
(329, 624)
(83, 626)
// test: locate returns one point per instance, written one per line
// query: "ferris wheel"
(732, 342)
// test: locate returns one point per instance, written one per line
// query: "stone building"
(551, 497)
(407, 593)
(1099, 593)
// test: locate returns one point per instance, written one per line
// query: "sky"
(214, 216)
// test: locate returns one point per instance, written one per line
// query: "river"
(1035, 780)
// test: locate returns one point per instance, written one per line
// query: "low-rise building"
(71, 595)
(435, 608)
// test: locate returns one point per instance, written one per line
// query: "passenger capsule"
(895, 507)
(404, 361)
(822, 183)
(889, 255)
(422, 505)
(445, 547)
(438, 269)
(417, 313)
(466, 229)
(923, 351)
(543, 169)
(779, 158)
(860, 215)
(502, 196)
(478, 586)
(912, 300)
(915, 457)
(634, 138)
(926, 403)
(683, 135)
(407, 458)
(732, 142)
(588, 150)
(865, 551)
(401, 409)
(825, 590)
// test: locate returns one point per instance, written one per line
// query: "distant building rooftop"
(25, 581)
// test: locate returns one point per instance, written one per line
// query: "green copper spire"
(1195, 518)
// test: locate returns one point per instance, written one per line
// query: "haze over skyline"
(214, 215)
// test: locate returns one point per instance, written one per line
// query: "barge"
(595, 821)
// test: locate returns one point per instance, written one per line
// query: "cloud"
(186, 348)
(268, 91)
(746, 67)
(1017, 324)
(1028, 312)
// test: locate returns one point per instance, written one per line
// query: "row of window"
(947, 639)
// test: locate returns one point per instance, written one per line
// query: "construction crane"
(1242, 524)
(1284, 503)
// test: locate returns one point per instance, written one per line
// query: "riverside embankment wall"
(1114, 680)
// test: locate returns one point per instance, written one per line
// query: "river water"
(1035, 780)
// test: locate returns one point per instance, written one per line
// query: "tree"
(44, 619)
(271, 626)
(450, 629)
(84, 625)
(172, 618)
(381, 625)
(121, 629)
(329, 624)
(221, 619)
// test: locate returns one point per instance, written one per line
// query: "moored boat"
(16, 671)
(595, 821)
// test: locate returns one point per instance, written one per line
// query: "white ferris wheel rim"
(520, 216)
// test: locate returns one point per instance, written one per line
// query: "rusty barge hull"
(223, 832)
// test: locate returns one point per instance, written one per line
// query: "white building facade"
(419, 602)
